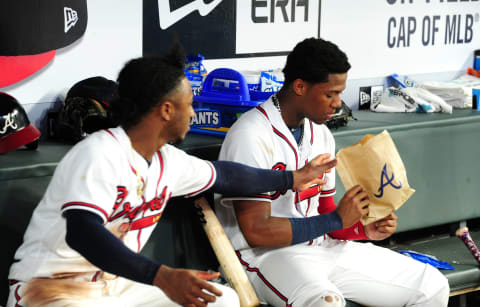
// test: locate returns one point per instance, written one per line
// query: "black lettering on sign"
(400, 37)
(458, 32)
(266, 11)
(429, 29)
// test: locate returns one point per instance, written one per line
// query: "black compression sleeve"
(87, 235)
(235, 179)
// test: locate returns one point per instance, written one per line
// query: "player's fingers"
(390, 217)
(205, 296)
(207, 275)
(210, 288)
(365, 211)
(321, 158)
(195, 301)
(322, 181)
(362, 196)
(319, 181)
(327, 166)
(364, 208)
(386, 223)
(323, 165)
(386, 229)
(354, 190)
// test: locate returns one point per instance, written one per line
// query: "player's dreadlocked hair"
(313, 59)
(144, 82)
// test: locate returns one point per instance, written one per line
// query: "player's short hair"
(313, 59)
(145, 82)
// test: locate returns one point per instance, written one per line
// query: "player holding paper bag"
(297, 246)
(375, 164)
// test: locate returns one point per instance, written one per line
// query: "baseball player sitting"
(107, 194)
(297, 246)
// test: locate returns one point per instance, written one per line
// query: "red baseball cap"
(32, 30)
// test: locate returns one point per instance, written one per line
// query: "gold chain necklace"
(276, 103)
(141, 183)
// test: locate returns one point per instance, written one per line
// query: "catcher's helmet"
(15, 128)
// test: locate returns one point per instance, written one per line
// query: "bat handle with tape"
(226, 256)
(464, 235)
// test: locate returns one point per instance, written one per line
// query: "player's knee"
(442, 293)
(436, 290)
(327, 299)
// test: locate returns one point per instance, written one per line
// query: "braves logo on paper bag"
(385, 180)
(375, 164)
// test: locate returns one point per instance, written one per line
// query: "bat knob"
(461, 230)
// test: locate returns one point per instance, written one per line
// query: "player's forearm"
(272, 232)
(236, 179)
(261, 229)
(279, 232)
(87, 235)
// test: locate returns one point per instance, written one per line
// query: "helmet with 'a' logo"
(15, 127)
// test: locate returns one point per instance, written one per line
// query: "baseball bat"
(464, 235)
(226, 256)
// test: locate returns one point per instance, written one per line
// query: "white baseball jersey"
(304, 274)
(104, 175)
(260, 138)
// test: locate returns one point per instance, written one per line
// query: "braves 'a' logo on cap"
(70, 17)
(167, 17)
(9, 122)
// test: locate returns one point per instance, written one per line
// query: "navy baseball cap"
(32, 30)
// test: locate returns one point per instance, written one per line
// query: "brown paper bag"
(375, 164)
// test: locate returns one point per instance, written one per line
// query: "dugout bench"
(440, 153)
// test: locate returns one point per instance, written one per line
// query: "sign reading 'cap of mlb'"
(32, 30)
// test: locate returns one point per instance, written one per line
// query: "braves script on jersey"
(261, 138)
(104, 175)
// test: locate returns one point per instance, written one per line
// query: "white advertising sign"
(382, 37)
(273, 26)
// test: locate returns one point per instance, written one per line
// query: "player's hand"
(313, 172)
(383, 228)
(353, 206)
(187, 287)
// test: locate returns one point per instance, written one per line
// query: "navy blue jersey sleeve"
(236, 179)
(87, 235)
